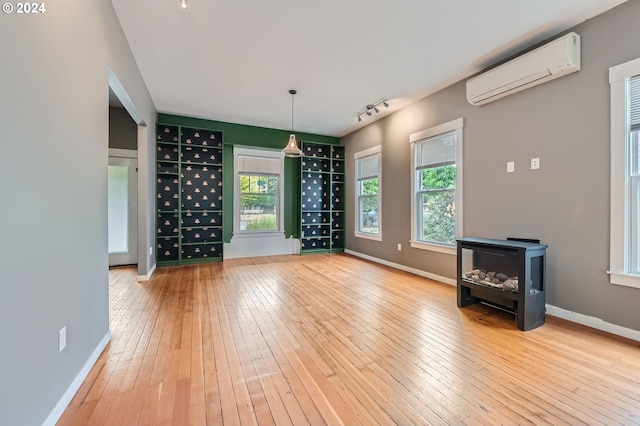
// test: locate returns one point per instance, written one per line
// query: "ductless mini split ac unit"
(550, 61)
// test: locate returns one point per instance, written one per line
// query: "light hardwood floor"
(332, 339)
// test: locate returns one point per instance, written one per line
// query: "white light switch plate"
(511, 166)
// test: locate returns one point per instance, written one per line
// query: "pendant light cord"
(292, 92)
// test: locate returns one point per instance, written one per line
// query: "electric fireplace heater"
(506, 274)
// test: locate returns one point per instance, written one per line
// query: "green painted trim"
(227, 193)
(161, 263)
(203, 260)
(259, 137)
(316, 251)
(292, 197)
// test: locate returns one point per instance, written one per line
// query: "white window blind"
(368, 167)
(436, 151)
(258, 165)
(634, 103)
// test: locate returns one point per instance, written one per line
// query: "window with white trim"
(258, 204)
(436, 185)
(368, 167)
(625, 174)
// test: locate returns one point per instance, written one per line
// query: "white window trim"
(619, 223)
(361, 154)
(256, 152)
(453, 125)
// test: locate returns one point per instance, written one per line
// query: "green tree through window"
(437, 195)
(369, 205)
(258, 202)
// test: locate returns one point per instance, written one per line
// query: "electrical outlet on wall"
(535, 163)
(399, 247)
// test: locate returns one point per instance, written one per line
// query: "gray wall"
(123, 131)
(566, 203)
(53, 174)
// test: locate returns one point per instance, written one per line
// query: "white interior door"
(123, 211)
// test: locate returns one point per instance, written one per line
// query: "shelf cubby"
(322, 198)
(189, 195)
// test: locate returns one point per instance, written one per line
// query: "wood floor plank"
(336, 340)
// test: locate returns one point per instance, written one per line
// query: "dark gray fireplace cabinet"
(481, 260)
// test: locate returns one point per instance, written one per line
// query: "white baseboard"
(576, 317)
(414, 271)
(62, 404)
(593, 322)
(148, 276)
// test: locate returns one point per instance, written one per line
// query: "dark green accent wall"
(259, 137)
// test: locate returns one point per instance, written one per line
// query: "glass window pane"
(368, 187)
(437, 212)
(634, 138)
(258, 203)
(118, 209)
(443, 177)
(635, 228)
(368, 206)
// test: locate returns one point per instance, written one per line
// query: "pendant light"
(292, 150)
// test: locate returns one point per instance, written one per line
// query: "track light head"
(386, 105)
(376, 110)
(369, 113)
(359, 119)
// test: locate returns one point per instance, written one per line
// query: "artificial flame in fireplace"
(493, 279)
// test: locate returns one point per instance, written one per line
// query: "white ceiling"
(235, 60)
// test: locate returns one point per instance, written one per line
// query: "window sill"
(368, 236)
(254, 234)
(434, 247)
(627, 280)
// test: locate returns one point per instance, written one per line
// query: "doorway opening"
(123, 207)
(122, 185)
(136, 141)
